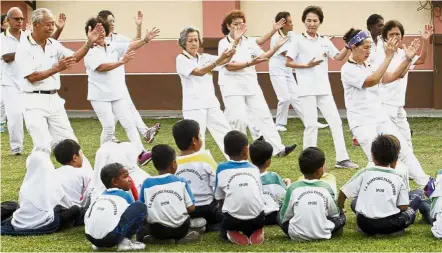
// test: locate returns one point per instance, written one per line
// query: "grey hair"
(9, 14)
(37, 15)
(183, 35)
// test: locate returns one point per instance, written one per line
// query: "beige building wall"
(169, 16)
(339, 16)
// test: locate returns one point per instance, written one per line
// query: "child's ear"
(113, 182)
(268, 163)
(245, 152)
(393, 164)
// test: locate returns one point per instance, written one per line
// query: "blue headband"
(362, 35)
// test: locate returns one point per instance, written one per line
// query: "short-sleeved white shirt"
(198, 91)
(244, 81)
(10, 71)
(117, 37)
(31, 58)
(239, 184)
(109, 85)
(75, 182)
(394, 93)
(312, 81)
(363, 104)
(374, 49)
(277, 61)
(380, 191)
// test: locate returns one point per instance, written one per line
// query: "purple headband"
(362, 35)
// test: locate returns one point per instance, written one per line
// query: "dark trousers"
(210, 213)
(425, 209)
(271, 218)
(8, 229)
(247, 227)
(130, 223)
(387, 225)
(161, 232)
(70, 217)
(338, 221)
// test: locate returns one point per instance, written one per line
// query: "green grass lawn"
(427, 142)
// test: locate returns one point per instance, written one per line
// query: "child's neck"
(385, 166)
(262, 169)
(311, 177)
(72, 165)
(163, 172)
(237, 158)
(188, 152)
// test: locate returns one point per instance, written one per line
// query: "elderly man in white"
(40, 60)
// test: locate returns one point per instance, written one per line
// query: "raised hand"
(94, 35)
(239, 31)
(139, 18)
(280, 24)
(61, 21)
(428, 31)
(155, 32)
(391, 47)
(66, 63)
(411, 51)
(128, 56)
(313, 63)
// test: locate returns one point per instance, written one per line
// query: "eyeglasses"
(18, 19)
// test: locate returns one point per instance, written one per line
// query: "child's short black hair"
(234, 142)
(260, 152)
(385, 149)
(184, 131)
(65, 150)
(162, 156)
(110, 172)
(310, 160)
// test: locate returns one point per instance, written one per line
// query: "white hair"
(37, 15)
(9, 14)
(183, 35)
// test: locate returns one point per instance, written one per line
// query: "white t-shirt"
(394, 93)
(75, 182)
(167, 198)
(239, 184)
(117, 37)
(199, 171)
(31, 58)
(198, 91)
(244, 81)
(374, 49)
(10, 71)
(274, 190)
(277, 61)
(108, 85)
(363, 104)
(308, 206)
(380, 191)
(104, 214)
(312, 81)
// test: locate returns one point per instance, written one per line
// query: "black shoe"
(287, 151)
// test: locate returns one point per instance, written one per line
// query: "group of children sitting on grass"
(121, 205)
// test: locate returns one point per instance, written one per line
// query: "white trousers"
(325, 103)
(366, 134)
(212, 119)
(2, 109)
(398, 116)
(139, 123)
(107, 111)
(253, 110)
(46, 120)
(286, 91)
(14, 108)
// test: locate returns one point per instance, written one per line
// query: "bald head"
(15, 19)
(14, 12)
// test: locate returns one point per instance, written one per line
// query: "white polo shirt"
(10, 71)
(117, 37)
(104, 214)
(75, 182)
(312, 81)
(198, 91)
(31, 57)
(274, 190)
(108, 85)
(394, 93)
(308, 206)
(199, 170)
(277, 61)
(363, 104)
(380, 191)
(167, 198)
(374, 49)
(243, 82)
(239, 184)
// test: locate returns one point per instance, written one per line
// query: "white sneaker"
(322, 126)
(281, 128)
(198, 222)
(127, 245)
(138, 244)
(95, 247)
